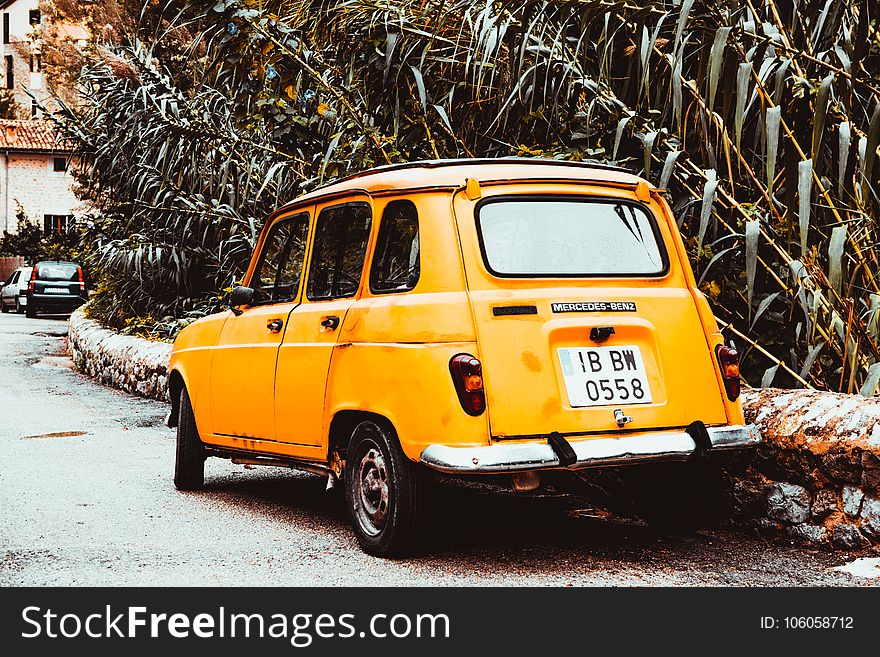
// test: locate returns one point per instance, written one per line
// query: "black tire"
(18, 307)
(189, 464)
(387, 526)
(680, 498)
(31, 310)
(3, 308)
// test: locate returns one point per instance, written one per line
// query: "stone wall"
(816, 477)
(39, 189)
(126, 362)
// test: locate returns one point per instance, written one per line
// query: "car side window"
(396, 260)
(15, 277)
(341, 236)
(278, 272)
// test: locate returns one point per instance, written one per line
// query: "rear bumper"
(57, 300)
(590, 453)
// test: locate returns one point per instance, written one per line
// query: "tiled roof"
(36, 135)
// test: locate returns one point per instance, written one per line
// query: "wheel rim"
(372, 490)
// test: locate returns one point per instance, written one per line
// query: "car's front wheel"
(3, 308)
(383, 491)
(189, 464)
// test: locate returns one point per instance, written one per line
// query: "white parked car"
(14, 292)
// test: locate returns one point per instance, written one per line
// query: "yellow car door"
(336, 266)
(243, 363)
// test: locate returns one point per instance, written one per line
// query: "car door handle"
(275, 325)
(330, 323)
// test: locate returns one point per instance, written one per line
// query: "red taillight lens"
(467, 376)
(79, 271)
(33, 278)
(728, 361)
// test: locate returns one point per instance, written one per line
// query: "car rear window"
(396, 260)
(58, 271)
(569, 237)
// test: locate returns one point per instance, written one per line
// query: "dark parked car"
(55, 286)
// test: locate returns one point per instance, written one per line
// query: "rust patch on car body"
(531, 361)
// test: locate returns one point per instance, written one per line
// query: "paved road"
(86, 498)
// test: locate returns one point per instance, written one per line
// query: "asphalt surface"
(86, 498)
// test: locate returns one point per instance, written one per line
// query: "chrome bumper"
(591, 453)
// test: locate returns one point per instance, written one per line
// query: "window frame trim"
(574, 198)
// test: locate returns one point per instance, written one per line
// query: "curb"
(126, 362)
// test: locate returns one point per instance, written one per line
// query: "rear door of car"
(581, 308)
(336, 265)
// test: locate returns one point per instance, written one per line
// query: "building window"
(35, 107)
(10, 72)
(36, 63)
(34, 16)
(59, 163)
(58, 223)
(5, 27)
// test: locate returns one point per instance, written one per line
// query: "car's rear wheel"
(680, 498)
(383, 491)
(18, 307)
(189, 464)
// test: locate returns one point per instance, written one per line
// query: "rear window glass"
(396, 260)
(58, 271)
(566, 237)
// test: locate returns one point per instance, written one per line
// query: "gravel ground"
(87, 499)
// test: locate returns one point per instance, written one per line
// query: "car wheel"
(189, 464)
(383, 491)
(18, 307)
(30, 310)
(3, 308)
(680, 498)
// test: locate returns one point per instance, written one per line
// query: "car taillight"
(728, 361)
(33, 278)
(467, 376)
(79, 271)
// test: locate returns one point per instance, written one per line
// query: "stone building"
(34, 174)
(21, 69)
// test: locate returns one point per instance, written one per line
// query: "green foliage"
(9, 108)
(761, 119)
(33, 245)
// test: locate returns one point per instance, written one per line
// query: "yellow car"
(470, 317)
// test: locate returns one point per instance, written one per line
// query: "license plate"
(604, 376)
(57, 290)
